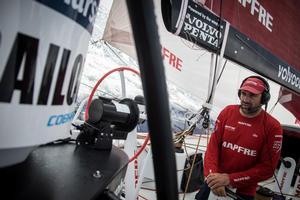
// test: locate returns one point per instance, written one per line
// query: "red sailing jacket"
(248, 149)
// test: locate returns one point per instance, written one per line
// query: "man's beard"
(250, 110)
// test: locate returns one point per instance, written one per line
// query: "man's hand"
(220, 191)
(216, 180)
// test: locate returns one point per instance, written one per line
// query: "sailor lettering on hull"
(173, 60)
(42, 52)
(24, 54)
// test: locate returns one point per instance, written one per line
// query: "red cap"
(253, 85)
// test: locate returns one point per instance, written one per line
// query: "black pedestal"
(63, 172)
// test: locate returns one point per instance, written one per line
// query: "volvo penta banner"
(263, 35)
(42, 51)
(189, 20)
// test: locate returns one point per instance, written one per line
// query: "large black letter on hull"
(24, 46)
(58, 99)
(76, 68)
(48, 74)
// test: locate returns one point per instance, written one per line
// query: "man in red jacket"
(245, 146)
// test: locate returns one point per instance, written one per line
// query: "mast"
(154, 84)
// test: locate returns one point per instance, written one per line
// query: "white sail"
(186, 64)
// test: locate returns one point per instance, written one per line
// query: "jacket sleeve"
(211, 158)
(267, 162)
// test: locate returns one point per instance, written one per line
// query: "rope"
(193, 163)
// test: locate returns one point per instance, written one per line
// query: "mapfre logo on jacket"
(239, 149)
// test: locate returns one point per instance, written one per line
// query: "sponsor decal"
(239, 149)
(277, 145)
(83, 12)
(283, 180)
(289, 76)
(229, 128)
(256, 9)
(56, 120)
(136, 173)
(172, 59)
(200, 26)
(245, 178)
(244, 124)
(20, 73)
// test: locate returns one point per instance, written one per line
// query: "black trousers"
(204, 191)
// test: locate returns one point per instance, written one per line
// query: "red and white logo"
(277, 143)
